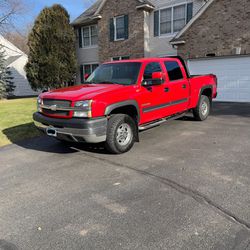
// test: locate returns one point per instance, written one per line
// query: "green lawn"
(16, 120)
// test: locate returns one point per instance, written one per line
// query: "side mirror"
(86, 76)
(157, 79)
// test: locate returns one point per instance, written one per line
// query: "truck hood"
(81, 92)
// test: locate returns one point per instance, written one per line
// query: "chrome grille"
(60, 104)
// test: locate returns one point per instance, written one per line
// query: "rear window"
(174, 71)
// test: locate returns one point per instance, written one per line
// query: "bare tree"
(9, 10)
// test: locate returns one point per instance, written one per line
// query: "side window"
(174, 71)
(150, 69)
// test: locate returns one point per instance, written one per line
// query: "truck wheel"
(120, 134)
(202, 111)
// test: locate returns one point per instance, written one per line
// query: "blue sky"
(74, 7)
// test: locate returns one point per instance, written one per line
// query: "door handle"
(166, 89)
(184, 86)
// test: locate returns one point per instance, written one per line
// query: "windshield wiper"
(107, 82)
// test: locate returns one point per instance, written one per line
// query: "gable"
(92, 14)
(178, 38)
(222, 30)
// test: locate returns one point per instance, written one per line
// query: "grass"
(16, 121)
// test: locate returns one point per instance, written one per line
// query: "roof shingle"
(89, 15)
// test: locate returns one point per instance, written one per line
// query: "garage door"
(233, 76)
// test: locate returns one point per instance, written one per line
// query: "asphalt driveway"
(186, 185)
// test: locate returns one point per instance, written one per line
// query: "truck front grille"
(48, 105)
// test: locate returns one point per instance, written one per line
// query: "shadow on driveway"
(231, 109)
(51, 145)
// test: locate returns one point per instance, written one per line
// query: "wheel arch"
(129, 107)
(207, 91)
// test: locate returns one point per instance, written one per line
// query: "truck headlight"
(83, 109)
(39, 103)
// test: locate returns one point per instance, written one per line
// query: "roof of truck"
(150, 59)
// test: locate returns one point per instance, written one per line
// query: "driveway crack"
(194, 194)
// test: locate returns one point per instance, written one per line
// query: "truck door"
(151, 97)
(178, 86)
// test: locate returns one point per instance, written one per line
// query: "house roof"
(178, 38)
(11, 59)
(92, 14)
(9, 47)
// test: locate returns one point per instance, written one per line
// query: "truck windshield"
(116, 73)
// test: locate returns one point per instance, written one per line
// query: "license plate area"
(51, 132)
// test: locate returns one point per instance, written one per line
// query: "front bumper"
(75, 129)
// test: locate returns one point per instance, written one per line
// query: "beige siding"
(86, 56)
(17, 66)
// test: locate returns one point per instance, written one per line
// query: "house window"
(89, 36)
(120, 58)
(119, 23)
(173, 19)
(119, 28)
(87, 69)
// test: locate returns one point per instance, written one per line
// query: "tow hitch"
(51, 132)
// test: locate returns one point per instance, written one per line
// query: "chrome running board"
(160, 121)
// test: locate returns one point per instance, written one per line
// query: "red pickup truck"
(121, 98)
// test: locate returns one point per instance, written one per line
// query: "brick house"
(212, 35)
(217, 40)
(118, 29)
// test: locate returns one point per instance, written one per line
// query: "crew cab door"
(177, 85)
(152, 97)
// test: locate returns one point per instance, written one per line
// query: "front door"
(152, 97)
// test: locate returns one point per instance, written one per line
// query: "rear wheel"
(120, 134)
(202, 111)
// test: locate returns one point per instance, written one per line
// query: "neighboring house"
(217, 40)
(16, 61)
(118, 29)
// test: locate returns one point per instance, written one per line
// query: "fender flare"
(204, 88)
(114, 106)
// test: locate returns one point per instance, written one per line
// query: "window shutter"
(80, 37)
(126, 27)
(189, 11)
(156, 22)
(81, 73)
(112, 29)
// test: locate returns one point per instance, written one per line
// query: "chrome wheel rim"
(204, 108)
(124, 134)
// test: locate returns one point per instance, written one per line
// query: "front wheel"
(202, 111)
(120, 134)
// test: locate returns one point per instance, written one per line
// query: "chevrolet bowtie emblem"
(53, 107)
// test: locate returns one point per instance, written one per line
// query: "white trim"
(90, 46)
(172, 33)
(147, 6)
(100, 7)
(115, 31)
(177, 42)
(199, 13)
(120, 58)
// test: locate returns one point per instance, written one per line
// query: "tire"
(202, 111)
(121, 134)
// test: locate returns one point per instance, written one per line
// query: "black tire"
(116, 124)
(202, 111)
